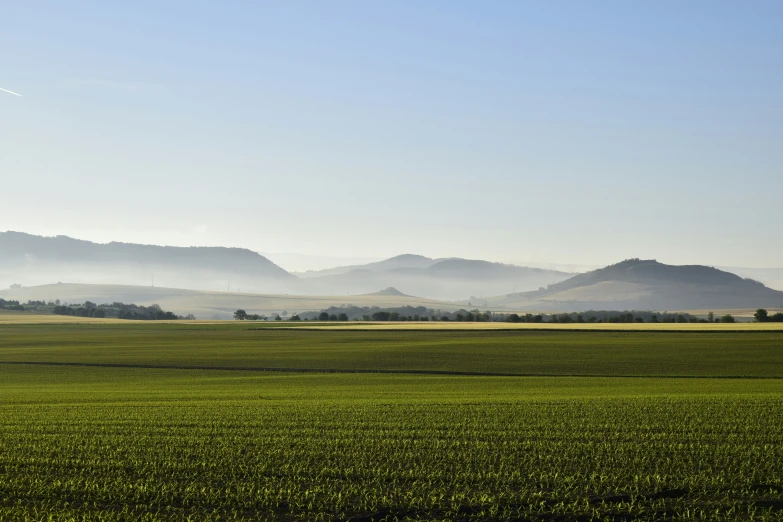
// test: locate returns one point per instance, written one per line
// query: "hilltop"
(400, 261)
(647, 285)
(389, 291)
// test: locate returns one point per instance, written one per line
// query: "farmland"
(127, 421)
(520, 352)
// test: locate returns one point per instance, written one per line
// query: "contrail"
(10, 92)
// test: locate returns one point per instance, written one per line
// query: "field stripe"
(371, 328)
(371, 371)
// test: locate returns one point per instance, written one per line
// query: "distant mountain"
(649, 285)
(35, 260)
(771, 277)
(401, 261)
(391, 291)
(477, 269)
(303, 264)
(450, 279)
(29, 259)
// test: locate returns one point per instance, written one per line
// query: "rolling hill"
(445, 279)
(35, 260)
(401, 261)
(214, 305)
(646, 285)
(771, 277)
(30, 260)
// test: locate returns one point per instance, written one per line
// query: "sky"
(564, 132)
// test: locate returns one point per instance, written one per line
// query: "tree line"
(762, 316)
(242, 315)
(420, 313)
(10, 305)
(119, 311)
(89, 309)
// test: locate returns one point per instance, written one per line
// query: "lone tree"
(761, 315)
(240, 315)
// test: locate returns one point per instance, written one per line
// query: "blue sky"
(571, 132)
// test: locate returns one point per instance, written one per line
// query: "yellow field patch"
(11, 317)
(736, 312)
(663, 327)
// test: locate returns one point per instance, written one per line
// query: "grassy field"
(172, 436)
(522, 352)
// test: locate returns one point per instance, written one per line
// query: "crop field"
(517, 353)
(12, 317)
(140, 421)
(604, 327)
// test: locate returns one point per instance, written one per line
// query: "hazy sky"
(573, 132)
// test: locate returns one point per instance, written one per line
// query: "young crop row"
(698, 458)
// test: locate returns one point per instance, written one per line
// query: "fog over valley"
(210, 282)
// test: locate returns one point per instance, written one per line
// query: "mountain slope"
(34, 260)
(396, 262)
(771, 277)
(477, 269)
(449, 279)
(63, 249)
(29, 259)
(647, 284)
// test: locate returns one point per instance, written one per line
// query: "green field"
(521, 353)
(179, 422)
